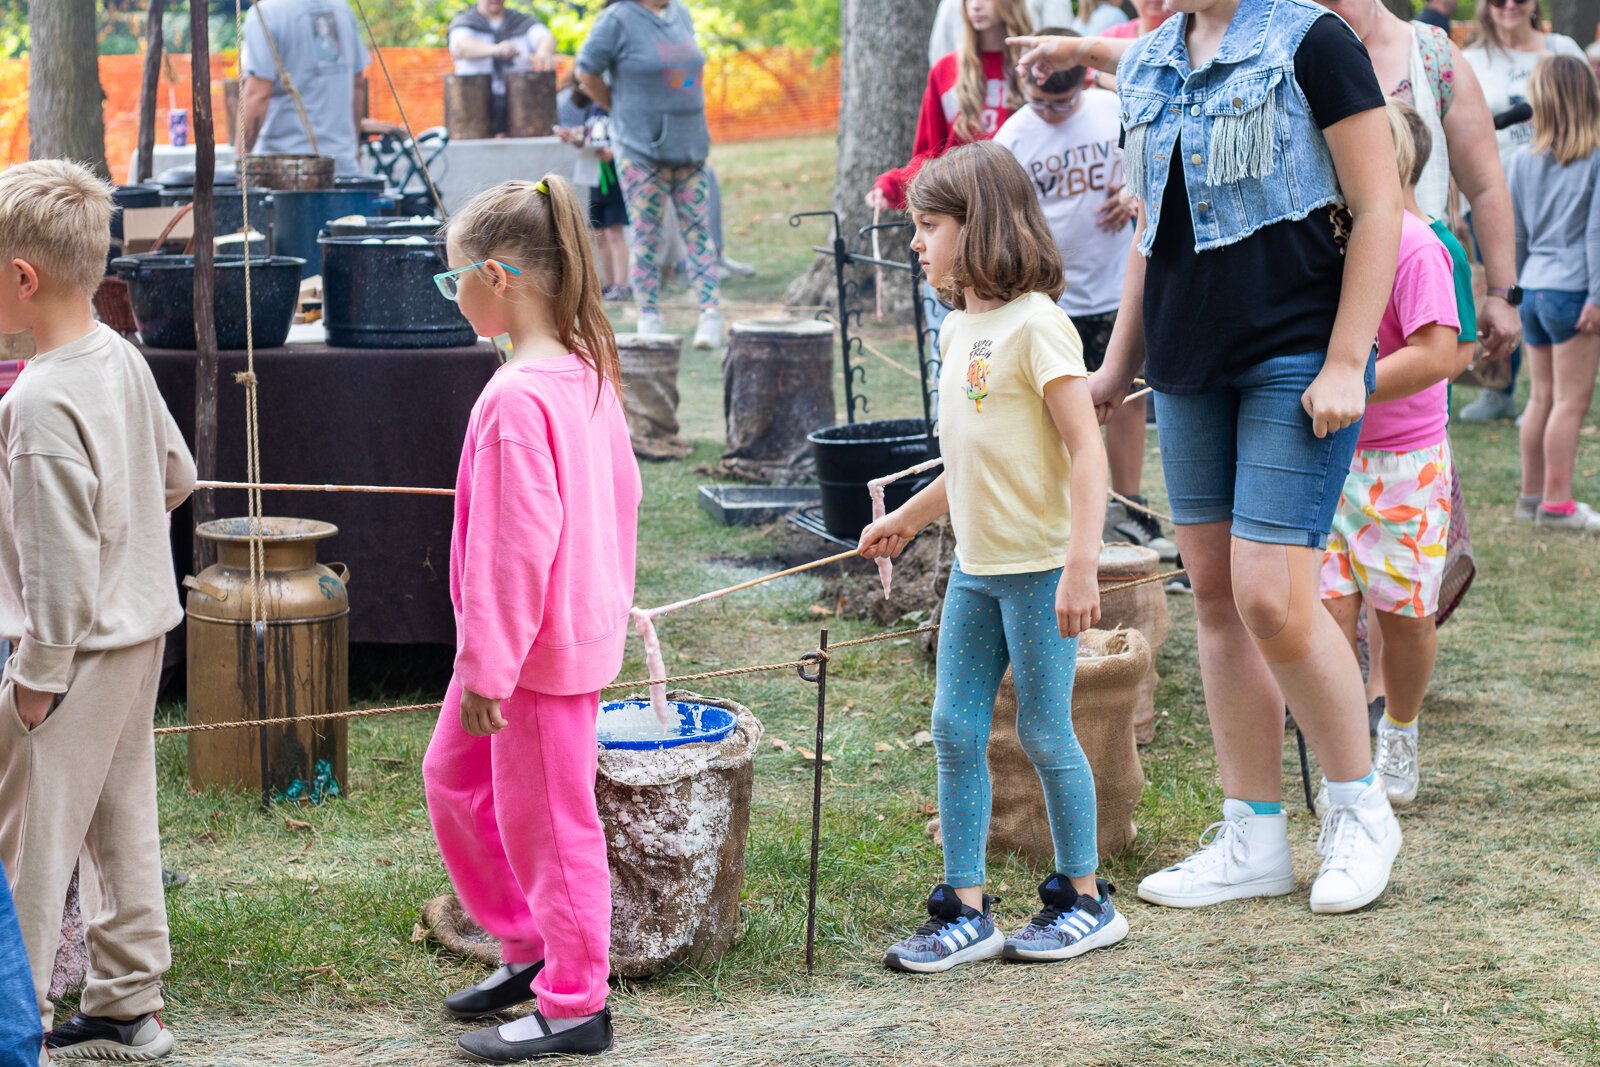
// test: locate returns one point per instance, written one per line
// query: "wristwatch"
(1512, 296)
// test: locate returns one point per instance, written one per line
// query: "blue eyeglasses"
(449, 282)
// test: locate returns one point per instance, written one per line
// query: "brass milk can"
(307, 613)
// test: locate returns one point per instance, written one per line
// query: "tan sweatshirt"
(92, 464)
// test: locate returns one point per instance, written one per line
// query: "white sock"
(503, 975)
(528, 1027)
(1345, 793)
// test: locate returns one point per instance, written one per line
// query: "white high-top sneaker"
(1358, 845)
(1244, 855)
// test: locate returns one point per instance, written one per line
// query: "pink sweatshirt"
(542, 553)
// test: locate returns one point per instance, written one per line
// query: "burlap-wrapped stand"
(1110, 666)
(676, 823)
(650, 393)
(1142, 608)
(777, 387)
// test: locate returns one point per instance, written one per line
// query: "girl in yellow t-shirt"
(1024, 467)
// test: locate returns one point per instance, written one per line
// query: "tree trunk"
(205, 327)
(1575, 18)
(64, 97)
(147, 91)
(883, 72)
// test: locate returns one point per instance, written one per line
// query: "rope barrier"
(1136, 506)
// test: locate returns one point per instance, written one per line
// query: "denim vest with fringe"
(1254, 154)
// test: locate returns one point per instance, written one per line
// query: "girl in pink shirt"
(1387, 546)
(541, 577)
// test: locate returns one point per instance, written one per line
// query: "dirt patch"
(917, 589)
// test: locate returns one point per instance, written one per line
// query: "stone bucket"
(676, 822)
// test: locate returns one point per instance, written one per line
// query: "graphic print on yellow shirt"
(1007, 472)
(978, 374)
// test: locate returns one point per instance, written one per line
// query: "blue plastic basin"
(714, 724)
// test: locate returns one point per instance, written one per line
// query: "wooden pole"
(147, 91)
(205, 326)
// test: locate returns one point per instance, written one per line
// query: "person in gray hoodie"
(641, 63)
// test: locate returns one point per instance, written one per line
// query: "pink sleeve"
(510, 544)
(1425, 288)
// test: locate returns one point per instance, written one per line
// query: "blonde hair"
(56, 215)
(1413, 141)
(1005, 249)
(971, 85)
(1489, 33)
(541, 229)
(1566, 108)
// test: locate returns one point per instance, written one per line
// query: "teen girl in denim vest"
(1269, 229)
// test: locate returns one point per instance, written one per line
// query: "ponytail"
(541, 229)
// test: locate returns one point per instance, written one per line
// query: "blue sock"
(1265, 807)
(1344, 793)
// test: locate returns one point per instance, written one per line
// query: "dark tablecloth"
(350, 417)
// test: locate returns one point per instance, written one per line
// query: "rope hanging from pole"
(411, 137)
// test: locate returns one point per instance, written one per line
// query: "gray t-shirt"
(322, 51)
(654, 65)
(1556, 214)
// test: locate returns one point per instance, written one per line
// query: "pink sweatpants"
(517, 826)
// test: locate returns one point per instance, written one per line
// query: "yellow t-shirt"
(1006, 470)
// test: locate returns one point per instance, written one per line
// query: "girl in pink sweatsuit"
(541, 576)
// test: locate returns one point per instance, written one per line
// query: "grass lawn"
(297, 946)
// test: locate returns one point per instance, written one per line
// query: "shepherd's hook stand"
(820, 677)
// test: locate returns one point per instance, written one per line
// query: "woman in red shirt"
(970, 93)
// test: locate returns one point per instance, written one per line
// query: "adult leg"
(691, 198)
(646, 193)
(458, 778)
(1043, 666)
(1572, 364)
(614, 251)
(544, 764)
(1125, 432)
(972, 660)
(1535, 420)
(125, 913)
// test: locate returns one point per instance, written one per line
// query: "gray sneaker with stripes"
(954, 934)
(1069, 924)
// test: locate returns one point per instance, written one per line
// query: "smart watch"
(1512, 296)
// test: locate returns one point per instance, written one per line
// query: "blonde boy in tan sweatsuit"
(90, 464)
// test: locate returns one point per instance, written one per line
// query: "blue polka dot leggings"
(988, 621)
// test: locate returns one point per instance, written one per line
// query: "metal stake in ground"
(260, 628)
(820, 658)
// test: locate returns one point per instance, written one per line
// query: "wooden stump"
(1142, 608)
(530, 103)
(650, 393)
(469, 107)
(777, 387)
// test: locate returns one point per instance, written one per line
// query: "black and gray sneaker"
(1142, 528)
(954, 934)
(501, 990)
(1069, 924)
(96, 1037)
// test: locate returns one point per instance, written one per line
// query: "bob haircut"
(1006, 249)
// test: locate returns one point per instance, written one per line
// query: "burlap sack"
(676, 823)
(1139, 607)
(1110, 668)
(650, 394)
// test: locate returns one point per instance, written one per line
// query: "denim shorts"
(1246, 452)
(1550, 316)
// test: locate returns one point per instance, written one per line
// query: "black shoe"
(475, 1003)
(1375, 712)
(97, 1037)
(589, 1039)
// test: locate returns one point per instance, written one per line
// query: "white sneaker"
(1491, 405)
(651, 322)
(728, 267)
(1527, 508)
(1582, 518)
(708, 333)
(1396, 763)
(1358, 845)
(1244, 855)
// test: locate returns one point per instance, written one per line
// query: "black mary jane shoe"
(589, 1039)
(475, 1003)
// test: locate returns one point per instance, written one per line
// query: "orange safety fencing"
(772, 92)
